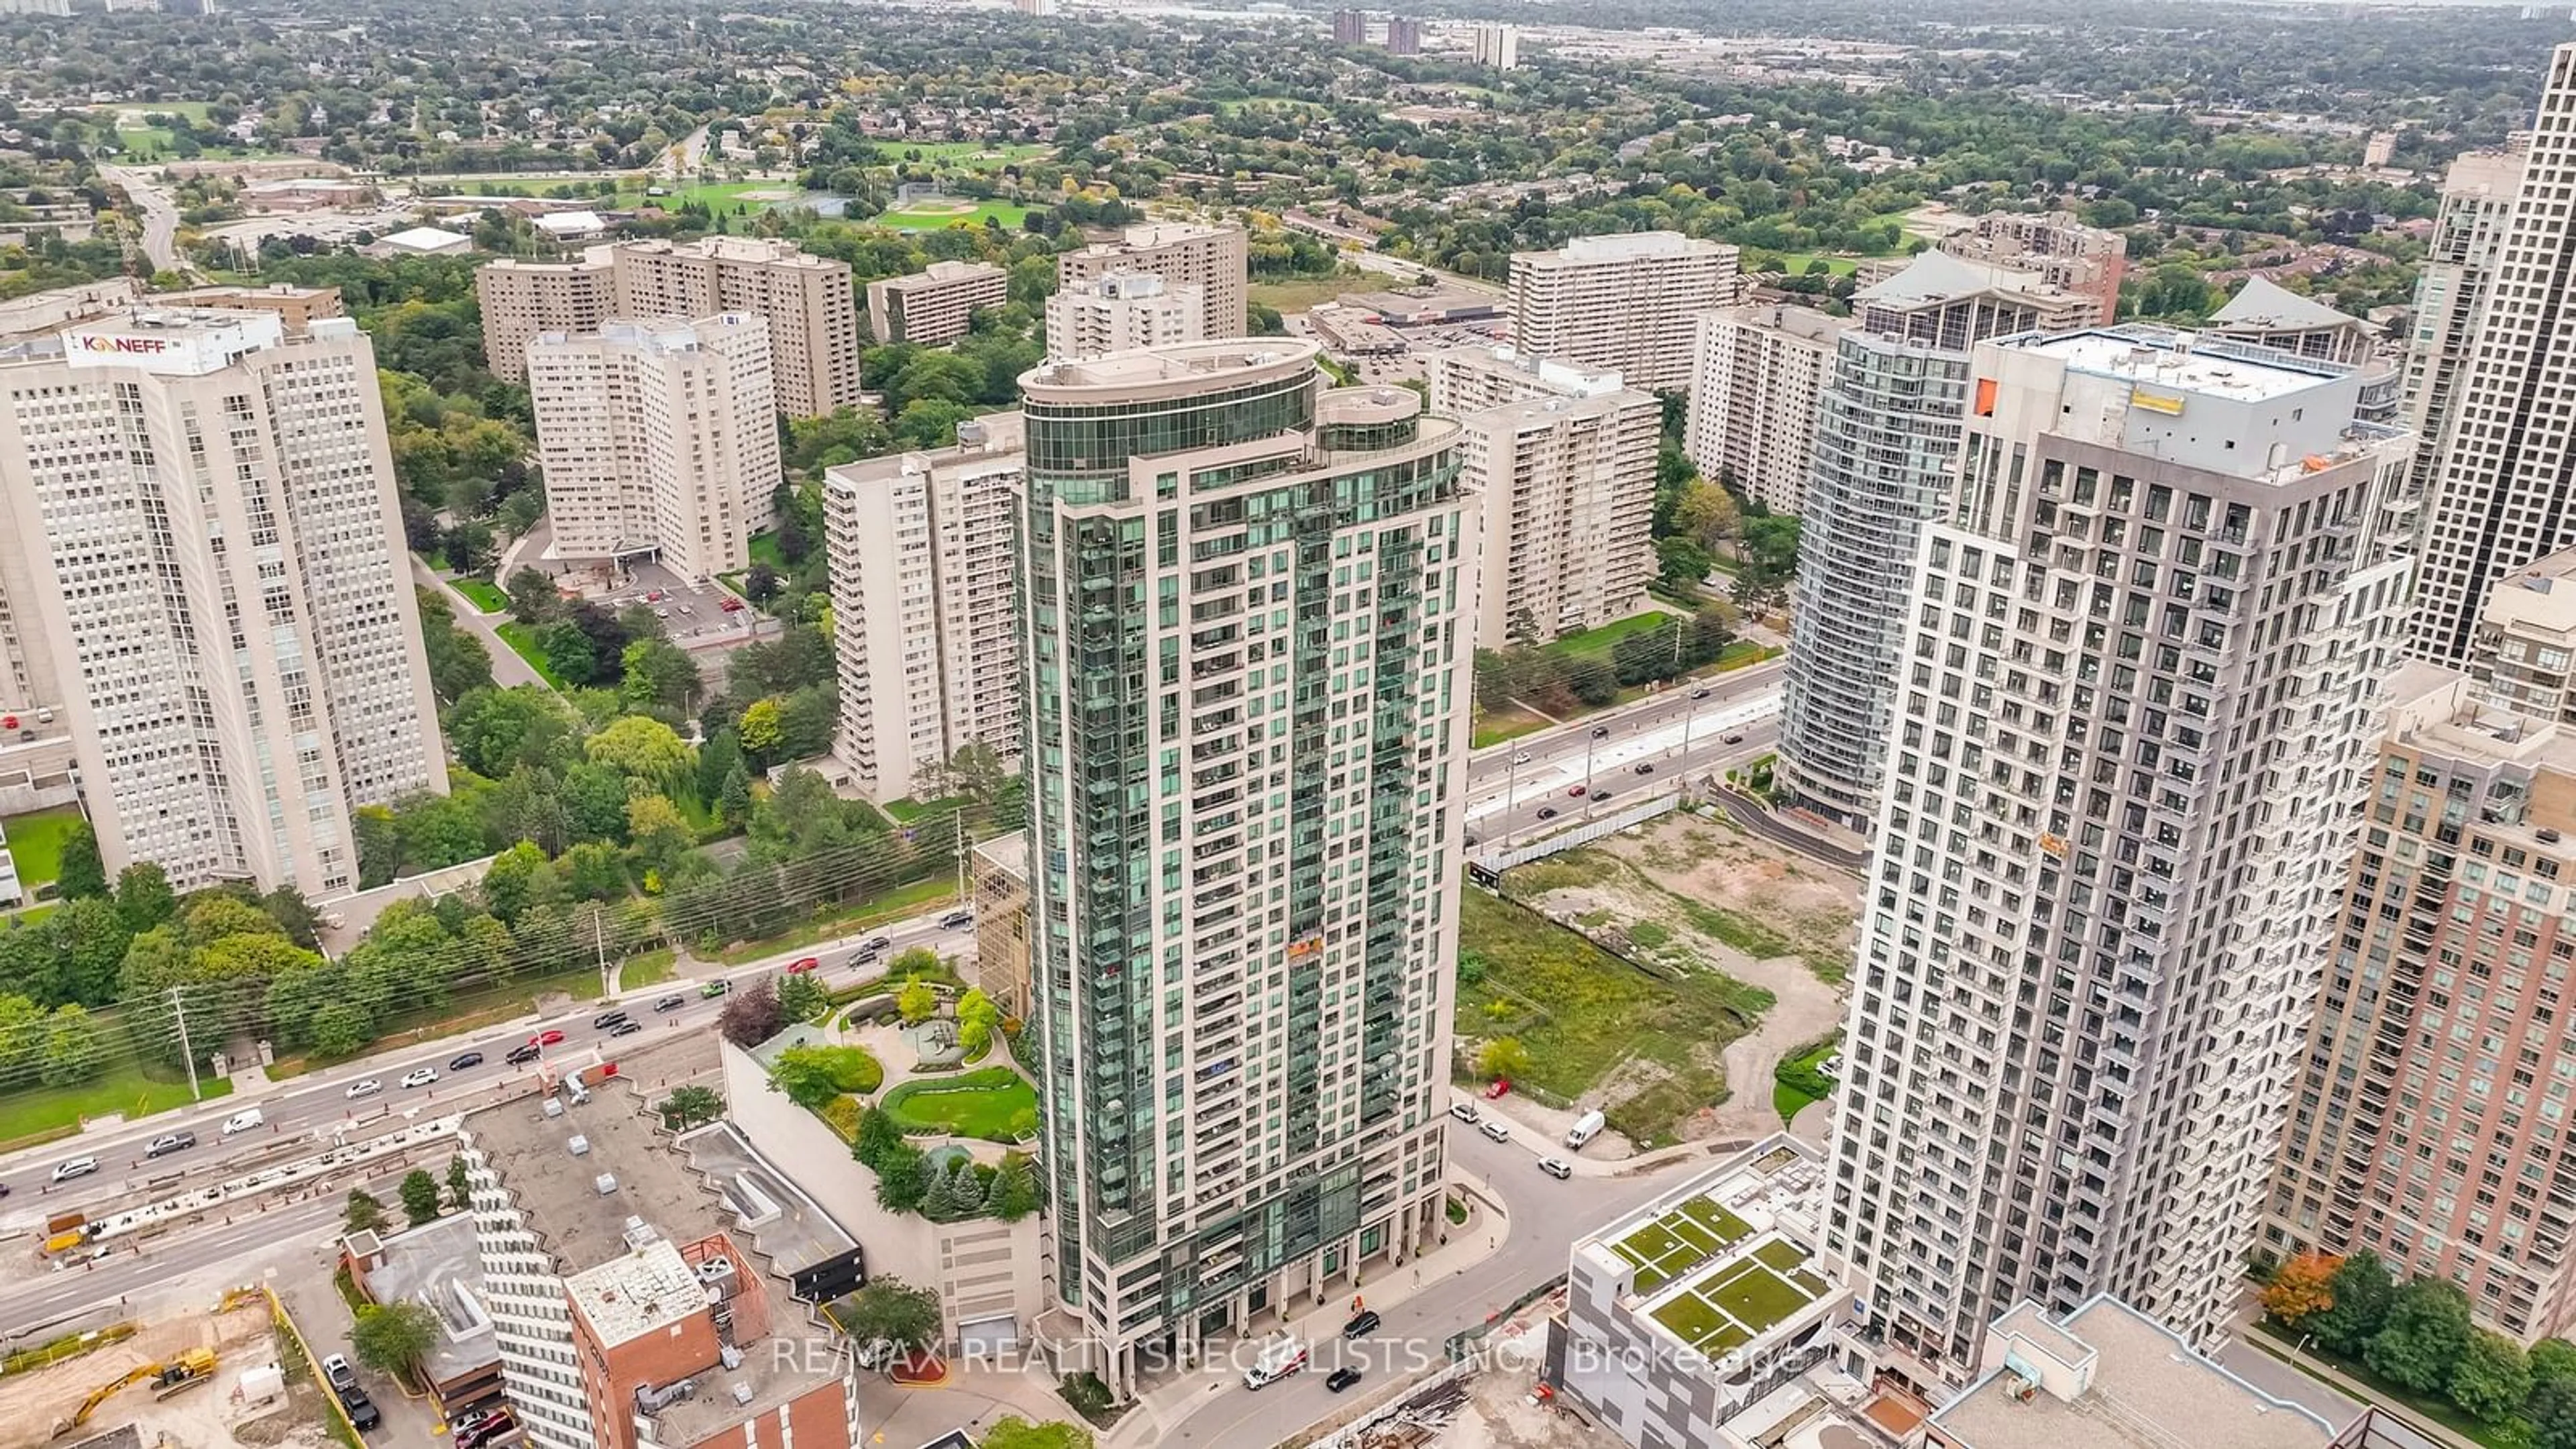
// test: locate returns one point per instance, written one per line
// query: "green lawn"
(716, 196)
(35, 842)
(483, 594)
(1582, 1011)
(908, 811)
(1493, 726)
(126, 1090)
(764, 549)
(893, 905)
(650, 969)
(971, 155)
(935, 216)
(1598, 641)
(1795, 263)
(523, 642)
(1296, 294)
(1787, 1100)
(982, 1103)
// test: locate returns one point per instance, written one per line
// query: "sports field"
(952, 211)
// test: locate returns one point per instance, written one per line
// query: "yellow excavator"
(186, 1371)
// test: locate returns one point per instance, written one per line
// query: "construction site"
(227, 1377)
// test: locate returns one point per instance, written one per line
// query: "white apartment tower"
(1247, 604)
(1756, 374)
(924, 593)
(1498, 46)
(1629, 303)
(1564, 460)
(2459, 267)
(2501, 495)
(658, 436)
(1213, 259)
(2138, 696)
(812, 311)
(201, 557)
(1123, 312)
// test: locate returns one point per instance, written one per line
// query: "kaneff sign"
(132, 346)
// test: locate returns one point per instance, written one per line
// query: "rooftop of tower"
(2182, 362)
(1192, 363)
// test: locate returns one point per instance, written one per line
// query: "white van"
(1585, 1128)
(243, 1121)
(1279, 1358)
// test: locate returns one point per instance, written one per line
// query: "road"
(160, 214)
(1409, 270)
(1719, 723)
(318, 1104)
(1546, 1217)
(508, 668)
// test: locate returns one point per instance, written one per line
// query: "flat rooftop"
(438, 1265)
(651, 1287)
(1622, 247)
(2147, 1389)
(1727, 1259)
(1185, 362)
(2181, 362)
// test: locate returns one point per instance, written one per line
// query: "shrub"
(841, 1114)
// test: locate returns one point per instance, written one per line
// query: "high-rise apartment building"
(1757, 373)
(635, 1302)
(1210, 258)
(201, 568)
(2450, 294)
(2138, 684)
(1350, 27)
(2054, 247)
(1563, 458)
(1629, 303)
(1248, 613)
(2271, 315)
(1403, 36)
(2501, 495)
(1498, 46)
(923, 592)
(298, 307)
(2455, 932)
(1888, 422)
(935, 304)
(658, 436)
(1123, 312)
(807, 300)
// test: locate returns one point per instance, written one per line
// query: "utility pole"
(179, 1010)
(599, 943)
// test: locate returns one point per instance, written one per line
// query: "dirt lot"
(1700, 895)
(206, 1416)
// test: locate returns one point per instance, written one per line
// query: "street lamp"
(1599, 733)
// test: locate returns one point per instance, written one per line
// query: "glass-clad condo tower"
(1247, 618)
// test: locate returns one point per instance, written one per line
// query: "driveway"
(325, 1323)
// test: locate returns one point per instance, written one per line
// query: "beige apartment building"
(808, 301)
(1758, 372)
(658, 436)
(202, 574)
(2053, 246)
(935, 304)
(1123, 312)
(1629, 303)
(1210, 258)
(928, 644)
(298, 307)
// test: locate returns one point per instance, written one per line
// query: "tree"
(803, 998)
(2552, 1412)
(2553, 1358)
(362, 1213)
(759, 728)
(340, 1028)
(733, 797)
(1503, 1057)
(760, 585)
(891, 1311)
(660, 674)
(460, 1192)
(1681, 563)
(718, 758)
(533, 596)
(2301, 1289)
(976, 1018)
(903, 1178)
(916, 1002)
(144, 898)
(80, 874)
(391, 1337)
(2361, 1291)
(1015, 1191)
(692, 1106)
(2426, 1333)
(419, 1193)
(752, 1015)
(1706, 514)
(641, 749)
(568, 652)
(2491, 1378)
(877, 1138)
(805, 1074)
(71, 1048)
(1013, 1432)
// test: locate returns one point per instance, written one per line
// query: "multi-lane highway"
(1691, 727)
(316, 1106)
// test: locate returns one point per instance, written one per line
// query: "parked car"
(342, 1374)
(363, 1087)
(804, 964)
(672, 1002)
(362, 1410)
(1556, 1167)
(1342, 1378)
(1361, 1325)
(626, 1028)
(607, 1019)
(523, 1054)
(1463, 1111)
(420, 1077)
(463, 1060)
(956, 920)
(169, 1142)
(1495, 1130)
(732, 606)
(715, 988)
(76, 1167)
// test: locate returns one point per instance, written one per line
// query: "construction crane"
(171, 1376)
